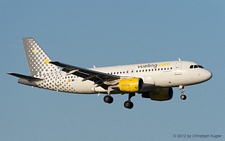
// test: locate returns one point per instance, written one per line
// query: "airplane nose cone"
(208, 75)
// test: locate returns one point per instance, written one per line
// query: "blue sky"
(102, 33)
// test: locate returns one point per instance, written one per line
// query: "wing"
(87, 74)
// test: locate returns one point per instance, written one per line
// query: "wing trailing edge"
(86, 74)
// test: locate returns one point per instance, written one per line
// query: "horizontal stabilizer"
(29, 78)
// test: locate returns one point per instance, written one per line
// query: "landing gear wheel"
(108, 99)
(183, 97)
(128, 104)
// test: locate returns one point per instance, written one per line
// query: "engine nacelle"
(159, 94)
(130, 85)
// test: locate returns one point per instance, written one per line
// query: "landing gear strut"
(183, 96)
(128, 104)
(108, 98)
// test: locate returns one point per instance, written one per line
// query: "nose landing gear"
(183, 96)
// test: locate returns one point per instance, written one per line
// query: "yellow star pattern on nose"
(47, 61)
(35, 51)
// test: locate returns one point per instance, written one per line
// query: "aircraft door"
(178, 68)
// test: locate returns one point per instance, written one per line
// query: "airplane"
(154, 81)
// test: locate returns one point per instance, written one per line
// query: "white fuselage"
(152, 80)
(159, 74)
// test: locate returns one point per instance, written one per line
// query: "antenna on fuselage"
(179, 59)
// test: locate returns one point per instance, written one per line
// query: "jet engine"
(159, 94)
(130, 85)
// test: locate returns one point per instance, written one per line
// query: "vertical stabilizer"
(38, 60)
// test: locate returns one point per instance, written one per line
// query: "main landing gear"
(108, 99)
(128, 104)
(183, 96)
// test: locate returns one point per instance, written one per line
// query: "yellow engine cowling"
(159, 94)
(130, 85)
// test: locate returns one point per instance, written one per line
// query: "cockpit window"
(195, 66)
(200, 66)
